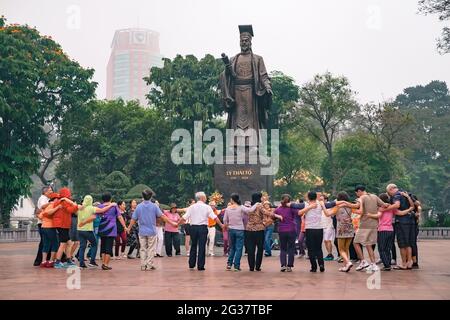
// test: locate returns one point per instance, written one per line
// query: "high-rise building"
(133, 52)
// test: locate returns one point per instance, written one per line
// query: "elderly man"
(198, 215)
(41, 205)
(146, 214)
(404, 224)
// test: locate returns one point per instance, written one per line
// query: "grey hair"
(200, 195)
(391, 186)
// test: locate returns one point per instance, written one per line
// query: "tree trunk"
(332, 171)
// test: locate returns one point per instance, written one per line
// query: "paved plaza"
(173, 280)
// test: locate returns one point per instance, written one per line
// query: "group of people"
(368, 222)
(303, 227)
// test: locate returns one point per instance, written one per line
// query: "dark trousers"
(414, 244)
(172, 238)
(287, 248)
(337, 247)
(97, 238)
(106, 245)
(121, 242)
(199, 236)
(255, 244)
(136, 245)
(352, 251)
(38, 259)
(86, 236)
(302, 242)
(298, 229)
(394, 248)
(245, 242)
(385, 240)
(131, 249)
(314, 238)
(50, 240)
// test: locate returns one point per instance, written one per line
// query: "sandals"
(400, 268)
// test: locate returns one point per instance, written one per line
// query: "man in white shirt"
(41, 205)
(198, 215)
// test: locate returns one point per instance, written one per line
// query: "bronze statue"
(246, 89)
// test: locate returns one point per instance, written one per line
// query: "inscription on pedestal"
(243, 179)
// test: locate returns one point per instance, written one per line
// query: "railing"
(28, 234)
(19, 235)
(434, 233)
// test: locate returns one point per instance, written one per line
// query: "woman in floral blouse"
(344, 230)
(255, 232)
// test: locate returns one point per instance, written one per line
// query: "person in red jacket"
(62, 220)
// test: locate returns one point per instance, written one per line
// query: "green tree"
(428, 149)
(117, 183)
(185, 90)
(326, 104)
(300, 163)
(116, 136)
(390, 128)
(285, 96)
(135, 193)
(357, 161)
(442, 8)
(39, 85)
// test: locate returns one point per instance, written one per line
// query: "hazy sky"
(382, 46)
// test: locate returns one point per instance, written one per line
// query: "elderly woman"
(255, 232)
(234, 222)
(171, 234)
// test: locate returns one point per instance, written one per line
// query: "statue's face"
(246, 43)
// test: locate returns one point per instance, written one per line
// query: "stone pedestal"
(243, 179)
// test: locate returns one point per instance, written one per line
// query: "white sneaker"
(212, 254)
(362, 265)
(379, 261)
(372, 268)
(393, 262)
(348, 267)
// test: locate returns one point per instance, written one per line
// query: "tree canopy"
(39, 86)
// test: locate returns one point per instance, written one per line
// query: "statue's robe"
(244, 87)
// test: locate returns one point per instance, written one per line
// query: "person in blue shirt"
(146, 214)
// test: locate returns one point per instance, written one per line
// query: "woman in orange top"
(49, 236)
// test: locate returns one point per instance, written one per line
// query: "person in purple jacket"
(286, 233)
(108, 229)
(286, 229)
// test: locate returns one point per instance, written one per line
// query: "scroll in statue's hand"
(225, 59)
